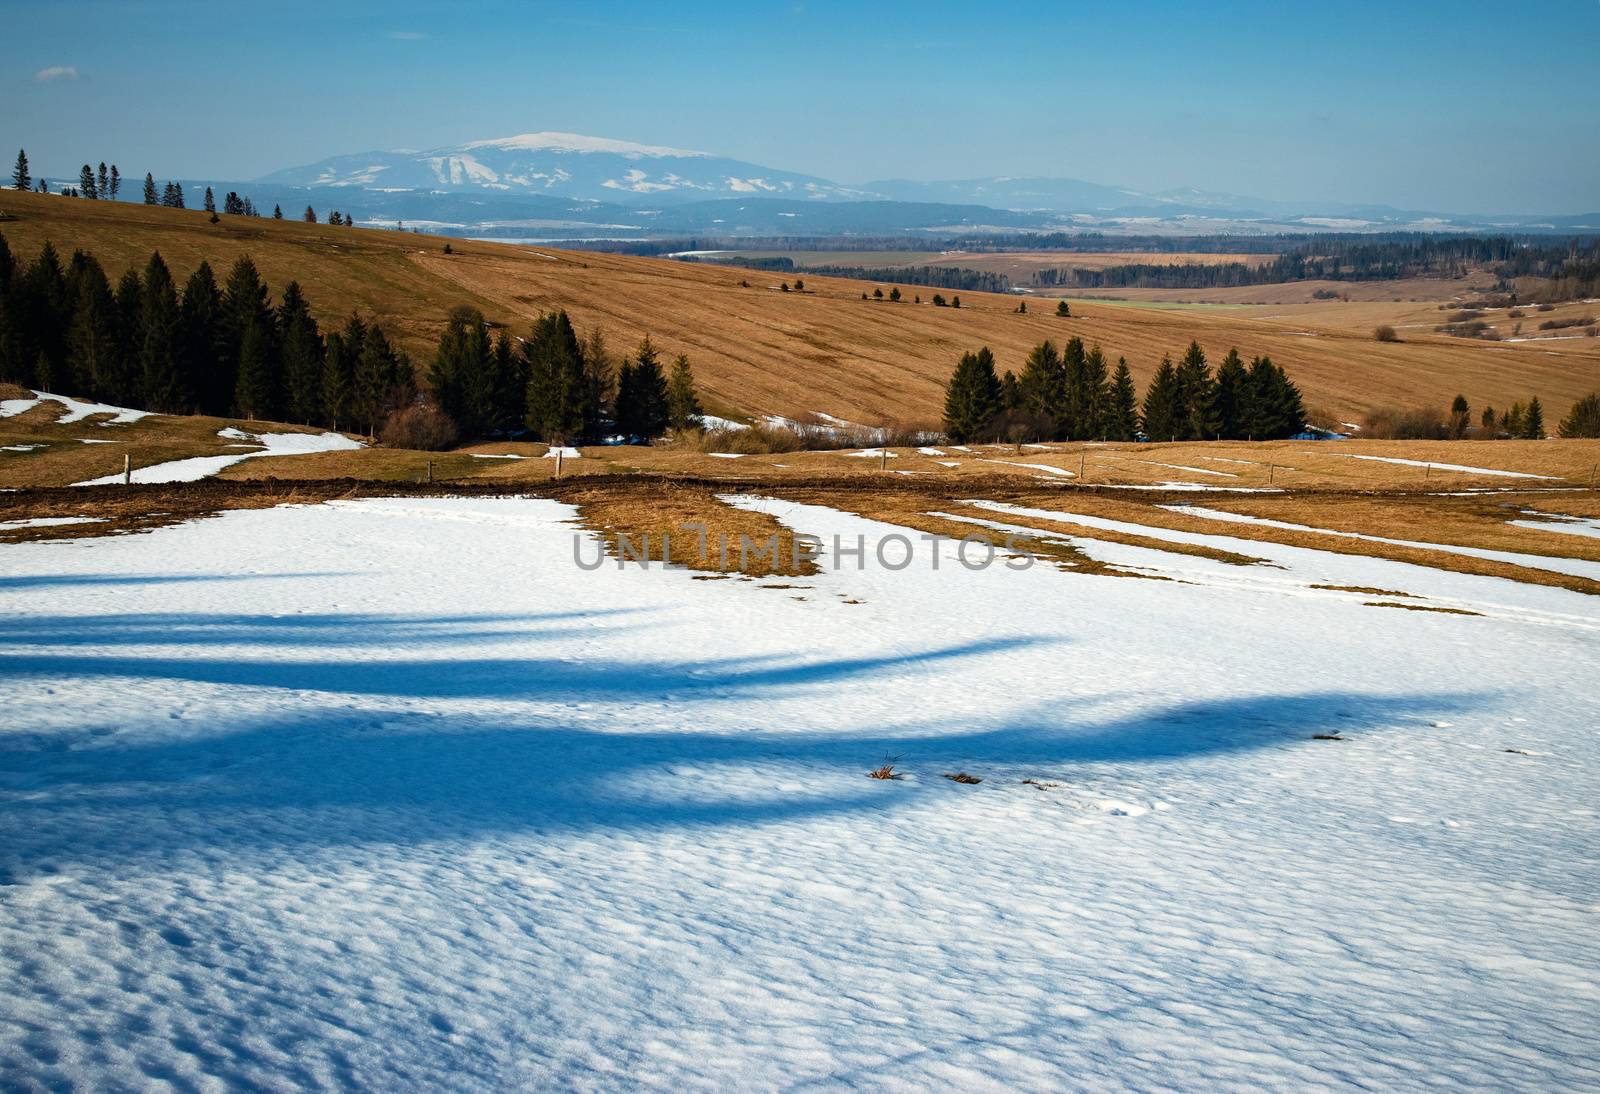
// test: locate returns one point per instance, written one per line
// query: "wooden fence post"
(127, 469)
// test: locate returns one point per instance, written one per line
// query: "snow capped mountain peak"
(577, 142)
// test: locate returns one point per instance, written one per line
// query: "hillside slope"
(759, 350)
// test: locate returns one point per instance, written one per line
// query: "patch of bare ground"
(1419, 608)
(1363, 590)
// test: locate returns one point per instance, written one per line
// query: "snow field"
(388, 793)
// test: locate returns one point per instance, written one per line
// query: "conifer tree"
(381, 378)
(21, 178)
(339, 373)
(683, 404)
(1084, 396)
(277, 212)
(1533, 422)
(159, 369)
(254, 389)
(309, 216)
(1042, 385)
(510, 386)
(149, 189)
(1460, 416)
(642, 408)
(86, 185)
(244, 305)
(599, 386)
(972, 399)
(211, 201)
(462, 374)
(1583, 420)
(1488, 419)
(199, 321)
(122, 385)
(557, 392)
(116, 182)
(103, 182)
(1062, 310)
(1275, 407)
(1231, 396)
(1010, 391)
(1163, 406)
(1514, 421)
(92, 340)
(1122, 410)
(43, 307)
(1196, 396)
(300, 349)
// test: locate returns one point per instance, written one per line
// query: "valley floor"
(392, 793)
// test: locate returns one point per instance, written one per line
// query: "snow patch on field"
(201, 467)
(76, 410)
(1446, 466)
(46, 522)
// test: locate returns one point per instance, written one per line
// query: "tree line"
(1072, 395)
(556, 386)
(224, 350)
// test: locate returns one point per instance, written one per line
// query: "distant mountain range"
(550, 184)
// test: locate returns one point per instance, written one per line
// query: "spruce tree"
(43, 308)
(1488, 419)
(598, 383)
(1010, 391)
(1513, 423)
(21, 178)
(1122, 411)
(92, 340)
(557, 388)
(211, 201)
(382, 376)
(1583, 420)
(510, 386)
(244, 304)
(86, 185)
(339, 373)
(159, 367)
(1043, 383)
(116, 182)
(255, 386)
(462, 375)
(1163, 406)
(309, 216)
(972, 399)
(200, 323)
(642, 407)
(1533, 422)
(1229, 405)
(277, 212)
(1062, 310)
(1275, 407)
(1196, 396)
(149, 189)
(300, 350)
(683, 404)
(103, 182)
(122, 385)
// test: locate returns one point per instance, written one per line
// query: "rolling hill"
(759, 350)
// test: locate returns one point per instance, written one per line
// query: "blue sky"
(1463, 107)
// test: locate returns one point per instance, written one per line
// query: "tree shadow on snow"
(349, 773)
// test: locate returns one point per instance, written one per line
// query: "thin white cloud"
(407, 35)
(56, 72)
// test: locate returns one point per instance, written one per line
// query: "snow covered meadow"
(392, 794)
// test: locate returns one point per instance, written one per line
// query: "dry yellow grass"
(757, 350)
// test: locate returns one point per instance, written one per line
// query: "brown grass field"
(757, 350)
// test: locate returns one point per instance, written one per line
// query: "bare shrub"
(885, 770)
(1395, 424)
(421, 426)
(1383, 332)
(1320, 418)
(1563, 324)
(963, 778)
